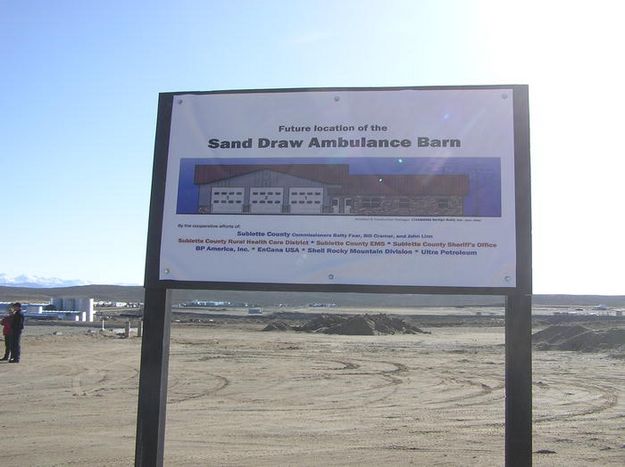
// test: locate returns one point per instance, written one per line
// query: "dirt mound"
(359, 325)
(558, 333)
(277, 326)
(321, 323)
(579, 338)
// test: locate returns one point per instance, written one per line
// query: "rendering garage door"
(266, 200)
(227, 199)
(305, 200)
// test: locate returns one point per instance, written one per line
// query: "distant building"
(81, 307)
(112, 304)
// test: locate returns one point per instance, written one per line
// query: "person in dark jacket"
(6, 332)
(17, 325)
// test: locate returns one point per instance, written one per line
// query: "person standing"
(17, 325)
(6, 332)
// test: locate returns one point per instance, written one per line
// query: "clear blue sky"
(80, 80)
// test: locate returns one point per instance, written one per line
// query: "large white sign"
(404, 187)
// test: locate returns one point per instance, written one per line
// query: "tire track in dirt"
(606, 398)
(106, 378)
(347, 398)
(370, 393)
(357, 397)
(178, 397)
(103, 373)
(457, 385)
(327, 370)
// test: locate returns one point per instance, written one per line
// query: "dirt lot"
(240, 396)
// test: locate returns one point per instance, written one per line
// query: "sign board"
(386, 189)
(390, 190)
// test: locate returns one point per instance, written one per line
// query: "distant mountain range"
(39, 282)
(136, 294)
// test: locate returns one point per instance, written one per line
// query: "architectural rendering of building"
(325, 189)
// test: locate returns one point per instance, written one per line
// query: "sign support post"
(518, 381)
(518, 321)
(150, 439)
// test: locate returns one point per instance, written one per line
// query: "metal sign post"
(153, 379)
(518, 381)
(518, 378)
